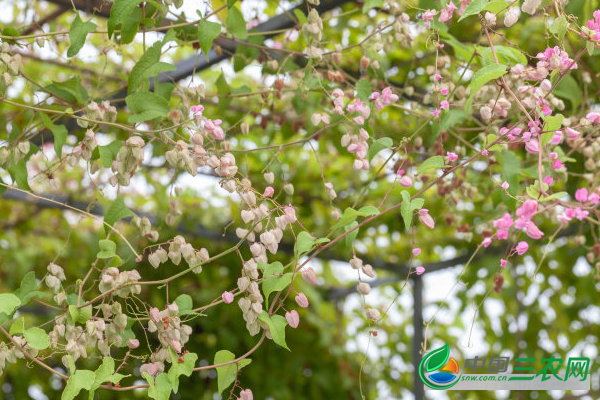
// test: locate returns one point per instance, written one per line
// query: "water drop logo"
(447, 367)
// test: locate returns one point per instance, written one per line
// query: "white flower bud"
(363, 288)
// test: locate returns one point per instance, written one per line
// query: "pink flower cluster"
(587, 200)
(552, 58)
(213, 127)
(446, 13)
(593, 27)
(524, 214)
(386, 98)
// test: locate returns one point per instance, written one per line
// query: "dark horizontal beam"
(196, 63)
(100, 8)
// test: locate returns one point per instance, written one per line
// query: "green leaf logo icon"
(437, 358)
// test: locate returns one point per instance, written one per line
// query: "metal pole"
(418, 387)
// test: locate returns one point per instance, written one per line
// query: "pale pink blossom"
(292, 318)
(533, 231)
(446, 13)
(532, 146)
(572, 133)
(522, 247)
(420, 270)
(246, 394)
(301, 300)
(227, 297)
(197, 110)
(406, 181)
(581, 195)
(593, 117)
(268, 191)
(451, 156)
(503, 263)
(416, 251)
(527, 209)
(426, 219)
(504, 223)
(309, 276)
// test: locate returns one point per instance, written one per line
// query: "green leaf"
(348, 217)
(146, 106)
(59, 132)
(481, 77)
(590, 46)
(506, 55)
(116, 212)
(511, 168)
(274, 279)
(300, 16)
(495, 6)
(141, 70)
(120, 10)
(363, 89)
(181, 368)
(77, 34)
(184, 303)
(79, 380)
(109, 152)
(451, 118)
(70, 90)
(352, 235)
(475, 7)
(368, 211)
(105, 373)
(559, 27)
(159, 389)
(378, 145)
(434, 162)
(569, 89)
(223, 90)
(557, 195)
(369, 4)
(37, 338)
(417, 204)
(8, 303)
(81, 315)
(226, 374)
(207, 32)
(18, 173)
(551, 124)
(277, 324)
(28, 289)
(18, 326)
(130, 26)
(304, 243)
(406, 210)
(107, 248)
(437, 358)
(489, 139)
(236, 24)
